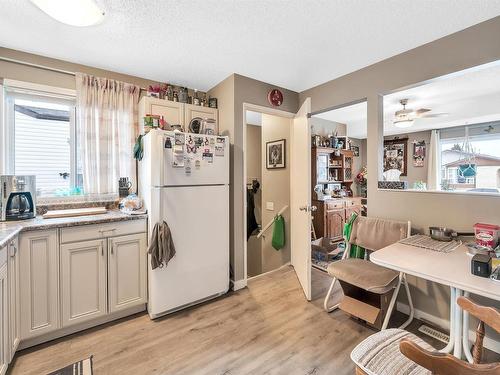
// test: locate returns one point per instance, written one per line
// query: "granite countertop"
(10, 229)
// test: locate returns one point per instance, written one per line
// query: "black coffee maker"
(17, 197)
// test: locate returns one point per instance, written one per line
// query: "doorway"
(267, 190)
(338, 178)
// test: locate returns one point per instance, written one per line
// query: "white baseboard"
(444, 324)
(268, 272)
(239, 284)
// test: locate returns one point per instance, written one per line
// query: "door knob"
(308, 208)
(313, 208)
(303, 208)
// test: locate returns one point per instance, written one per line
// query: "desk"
(450, 269)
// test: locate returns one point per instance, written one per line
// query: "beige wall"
(325, 127)
(254, 170)
(415, 173)
(468, 48)
(242, 90)
(276, 189)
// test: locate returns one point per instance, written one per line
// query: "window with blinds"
(42, 142)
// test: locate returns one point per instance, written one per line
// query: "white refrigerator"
(184, 180)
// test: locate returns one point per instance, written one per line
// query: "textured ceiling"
(296, 44)
(470, 96)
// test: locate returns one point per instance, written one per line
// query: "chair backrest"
(446, 364)
(375, 234)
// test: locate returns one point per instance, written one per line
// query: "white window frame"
(16, 89)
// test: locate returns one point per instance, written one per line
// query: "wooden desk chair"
(370, 291)
(396, 351)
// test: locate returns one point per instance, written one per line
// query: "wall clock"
(275, 97)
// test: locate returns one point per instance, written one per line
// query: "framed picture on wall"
(355, 151)
(276, 154)
(395, 155)
(418, 153)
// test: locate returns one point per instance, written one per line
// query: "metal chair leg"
(327, 298)
(392, 303)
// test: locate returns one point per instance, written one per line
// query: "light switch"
(270, 206)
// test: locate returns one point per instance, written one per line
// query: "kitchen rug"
(419, 240)
(83, 367)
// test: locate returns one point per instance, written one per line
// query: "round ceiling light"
(74, 12)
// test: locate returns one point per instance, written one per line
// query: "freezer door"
(201, 160)
(199, 220)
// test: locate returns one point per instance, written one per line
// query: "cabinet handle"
(112, 249)
(102, 250)
(102, 231)
(14, 250)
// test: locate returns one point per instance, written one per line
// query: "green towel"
(278, 241)
(356, 251)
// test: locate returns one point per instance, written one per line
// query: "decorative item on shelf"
(183, 95)
(190, 99)
(342, 143)
(418, 153)
(212, 102)
(275, 97)
(209, 126)
(395, 152)
(316, 140)
(170, 93)
(196, 125)
(204, 102)
(196, 99)
(276, 154)
(175, 96)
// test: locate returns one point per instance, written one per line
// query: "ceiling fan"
(405, 117)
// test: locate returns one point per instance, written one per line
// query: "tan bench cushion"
(379, 354)
(364, 274)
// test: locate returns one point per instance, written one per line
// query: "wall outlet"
(270, 206)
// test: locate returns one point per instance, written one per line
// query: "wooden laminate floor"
(267, 328)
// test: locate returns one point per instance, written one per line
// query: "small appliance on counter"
(18, 197)
(481, 265)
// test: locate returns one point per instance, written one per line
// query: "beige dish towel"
(161, 247)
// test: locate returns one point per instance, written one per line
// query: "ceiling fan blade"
(433, 115)
(422, 110)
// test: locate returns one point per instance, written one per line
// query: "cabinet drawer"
(352, 202)
(97, 231)
(331, 205)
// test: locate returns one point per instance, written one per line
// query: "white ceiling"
(471, 96)
(296, 44)
(254, 118)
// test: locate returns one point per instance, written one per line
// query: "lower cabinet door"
(127, 271)
(83, 281)
(335, 223)
(39, 282)
(14, 303)
(4, 320)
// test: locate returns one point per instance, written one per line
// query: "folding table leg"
(453, 301)
(465, 334)
(457, 328)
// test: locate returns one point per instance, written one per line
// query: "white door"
(39, 282)
(83, 281)
(127, 271)
(300, 197)
(4, 320)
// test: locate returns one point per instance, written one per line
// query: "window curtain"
(107, 126)
(434, 163)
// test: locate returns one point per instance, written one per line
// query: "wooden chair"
(402, 352)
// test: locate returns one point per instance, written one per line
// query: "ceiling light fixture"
(74, 12)
(403, 123)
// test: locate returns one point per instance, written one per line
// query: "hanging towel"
(161, 247)
(278, 241)
(356, 251)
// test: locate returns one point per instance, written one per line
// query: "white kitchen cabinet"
(4, 319)
(127, 271)
(83, 281)
(172, 112)
(14, 298)
(39, 282)
(191, 111)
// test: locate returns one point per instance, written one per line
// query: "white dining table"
(452, 269)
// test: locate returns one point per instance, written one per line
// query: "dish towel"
(161, 247)
(278, 241)
(356, 251)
